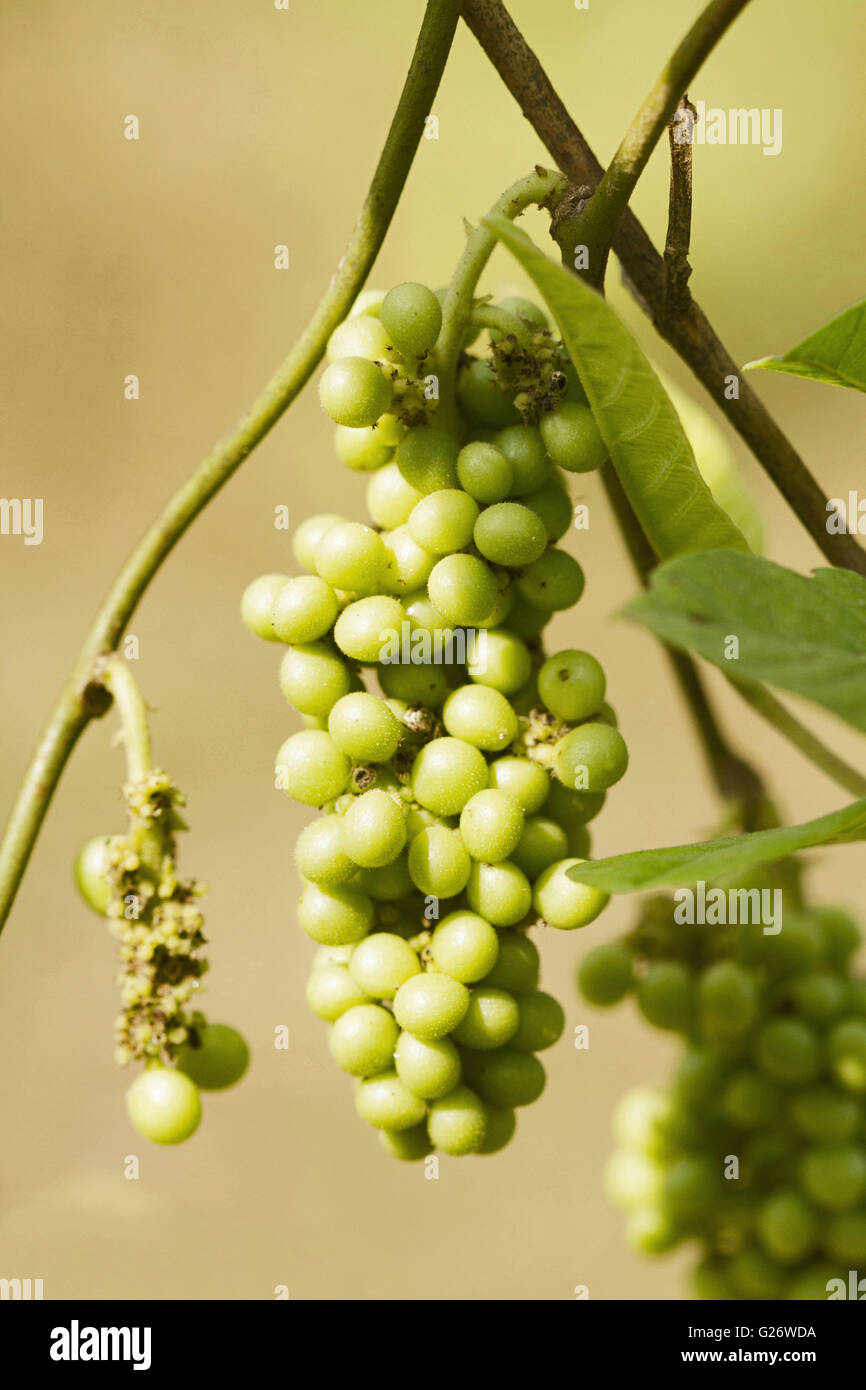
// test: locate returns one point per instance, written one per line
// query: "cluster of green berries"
(757, 1150)
(131, 880)
(455, 766)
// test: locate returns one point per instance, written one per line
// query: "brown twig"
(687, 330)
(679, 233)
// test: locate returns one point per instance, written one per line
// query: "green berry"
(666, 995)
(409, 1145)
(219, 1060)
(351, 556)
(482, 716)
(542, 843)
(524, 781)
(385, 1102)
(491, 825)
(331, 991)
(499, 892)
(572, 439)
(320, 853)
(311, 768)
(313, 677)
(591, 758)
(446, 773)
(787, 1050)
(542, 1022)
(517, 965)
(304, 609)
(374, 829)
(429, 1067)
(562, 901)
(257, 605)
(363, 727)
(430, 1005)
(834, 1176)
(510, 534)
(390, 498)
(484, 472)
(427, 459)
(572, 685)
(366, 627)
(463, 589)
(605, 975)
(362, 1040)
(354, 391)
(439, 864)
(846, 1048)
(552, 504)
(164, 1105)
(90, 872)
(490, 1021)
(554, 581)
(443, 521)
(307, 537)
(381, 963)
(501, 1123)
(530, 466)
(787, 1227)
(482, 398)
(465, 946)
(335, 916)
(412, 317)
(505, 1076)
(458, 1122)
(497, 658)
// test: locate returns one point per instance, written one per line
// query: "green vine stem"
(501, 321)
(790, 728)
(596, 225)
(83, 697)
(120, 682)
(541, 187)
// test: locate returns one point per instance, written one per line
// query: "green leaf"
(647, 444)
(803, 635)
(836, 354)
(714, 859)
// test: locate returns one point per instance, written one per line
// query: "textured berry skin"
(354, 392)
(164, 1105)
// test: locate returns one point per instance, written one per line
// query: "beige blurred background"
(261, 127)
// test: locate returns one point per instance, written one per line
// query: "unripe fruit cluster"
(131, 881)
(455, 767)
(772, 1079)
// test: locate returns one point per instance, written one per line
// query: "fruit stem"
(83, 697)
(542, 187)
(119, 680)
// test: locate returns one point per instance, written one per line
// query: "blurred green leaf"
(647, 444)
(836, 354)
(803, 635)
(714, 859)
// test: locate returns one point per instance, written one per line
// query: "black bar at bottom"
(168, 1339)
